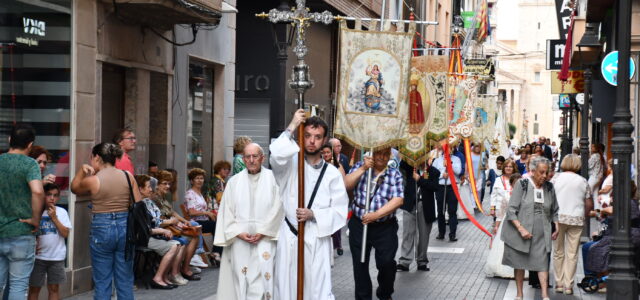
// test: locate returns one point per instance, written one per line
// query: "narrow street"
(457, 272)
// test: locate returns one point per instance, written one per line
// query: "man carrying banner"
(326, 210)
(386, 196)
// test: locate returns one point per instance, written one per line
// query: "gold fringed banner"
(372, 106)
(427, 107)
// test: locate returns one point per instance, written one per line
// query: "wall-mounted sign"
(564, 101)
(563, 15)
(479, 66)
(555, 53)
(574, 85)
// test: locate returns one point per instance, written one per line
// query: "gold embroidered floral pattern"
(267, 296)
(267, 276)
(244, 270)
(266, 255)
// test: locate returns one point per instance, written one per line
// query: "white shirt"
(51, 244)
(438, 163)
(571, 191)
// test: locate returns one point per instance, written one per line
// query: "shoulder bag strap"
(130, 188)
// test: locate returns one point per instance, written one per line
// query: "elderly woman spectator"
(221, 171)
(161, 242)
(527, 232)
(200, 208)
(574, 200)
(238, 148)
(110, 198)
(172, 218)
(42, 157)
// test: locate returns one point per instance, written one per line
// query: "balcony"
(164, 14)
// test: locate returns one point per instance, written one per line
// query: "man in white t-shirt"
(51, 249)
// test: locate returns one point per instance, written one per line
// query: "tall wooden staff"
(300, 17)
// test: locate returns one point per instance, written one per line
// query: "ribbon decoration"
(472, 175)
(455, 59)
(454, 185)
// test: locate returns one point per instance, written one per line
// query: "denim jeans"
(17, 255)
(107, 245)
(200, 248)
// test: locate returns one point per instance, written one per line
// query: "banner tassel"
(454, 185)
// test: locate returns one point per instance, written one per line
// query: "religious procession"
(319, 149)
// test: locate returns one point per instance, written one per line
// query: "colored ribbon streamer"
(454, 185)
(472, 175)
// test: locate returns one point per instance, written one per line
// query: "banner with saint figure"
(372, 101)
(427, 107)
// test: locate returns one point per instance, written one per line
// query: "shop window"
(35, 54)
(200, 120)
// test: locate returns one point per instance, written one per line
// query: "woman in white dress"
(499, 203)
(596, 172)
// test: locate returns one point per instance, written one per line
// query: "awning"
(164, 14)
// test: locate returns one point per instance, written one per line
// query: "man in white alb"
(325, 212)
(248, 222)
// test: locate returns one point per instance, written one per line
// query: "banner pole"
(363, 251)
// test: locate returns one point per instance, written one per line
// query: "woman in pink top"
(200, 206)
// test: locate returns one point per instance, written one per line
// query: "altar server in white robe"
(249, 219)
(325, 216)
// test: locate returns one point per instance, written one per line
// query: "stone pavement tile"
(194, 290)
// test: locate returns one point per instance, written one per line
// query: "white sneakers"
(196, 261)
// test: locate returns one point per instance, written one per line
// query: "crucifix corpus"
(301, 18)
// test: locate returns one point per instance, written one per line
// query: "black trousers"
(383, 237)
(452, 209)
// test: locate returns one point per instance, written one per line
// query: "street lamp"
(588, 40)
(622, 283)
(283, 34)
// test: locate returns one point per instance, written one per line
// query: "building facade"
(78, 70)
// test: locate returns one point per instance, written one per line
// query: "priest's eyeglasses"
(252, 156)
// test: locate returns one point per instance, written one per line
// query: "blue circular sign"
(609, 68)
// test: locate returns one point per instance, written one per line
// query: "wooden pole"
(301, 205)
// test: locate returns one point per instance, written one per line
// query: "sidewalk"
(457, 272)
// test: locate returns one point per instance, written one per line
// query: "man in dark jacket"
(414, 209)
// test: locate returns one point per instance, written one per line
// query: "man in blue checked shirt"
(446, 190)
(386, 196)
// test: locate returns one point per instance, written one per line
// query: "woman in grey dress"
(527, 230)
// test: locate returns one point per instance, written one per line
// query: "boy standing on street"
(51, 250)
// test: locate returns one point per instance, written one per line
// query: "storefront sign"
(482, 66)
(33, 30)
(574, 85)
(563, 14)
(555, 53)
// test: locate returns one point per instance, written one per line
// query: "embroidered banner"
(427, 107)
(372, 106)
(485, 116)
(461, 102)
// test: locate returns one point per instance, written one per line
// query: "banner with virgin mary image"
(372, 105)
(427, 107)
(485, 115)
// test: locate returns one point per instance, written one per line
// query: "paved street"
(456, 273)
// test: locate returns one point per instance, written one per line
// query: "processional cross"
(301, 18)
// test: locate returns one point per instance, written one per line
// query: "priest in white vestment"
(327, 214)
(249, 218)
